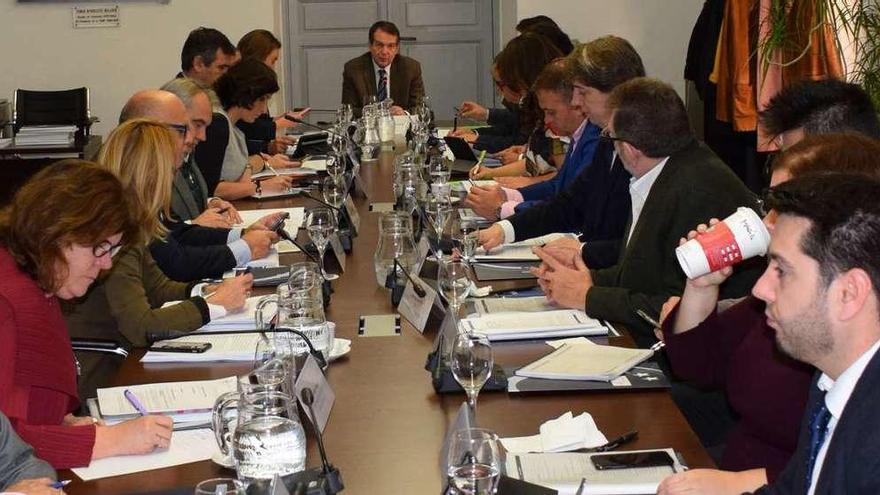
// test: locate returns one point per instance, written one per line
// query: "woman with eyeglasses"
(128, 306)
(54, 242)
(734, 350)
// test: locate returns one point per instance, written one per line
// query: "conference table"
(387, 425)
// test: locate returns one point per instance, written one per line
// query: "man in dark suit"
(191, 252)
(821, 288)
(383, 73)
(676, 184)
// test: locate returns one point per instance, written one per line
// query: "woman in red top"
(59, 233)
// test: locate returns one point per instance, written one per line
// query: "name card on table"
(353, 215)
(422, 251)
(414, 308)
(312, 378)
(336, 246)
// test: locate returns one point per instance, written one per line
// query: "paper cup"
(739, 237)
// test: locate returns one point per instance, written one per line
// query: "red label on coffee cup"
(720, 247)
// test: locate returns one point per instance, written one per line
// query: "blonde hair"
(141, 153)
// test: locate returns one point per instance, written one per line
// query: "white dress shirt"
(836, 396)
(639, 190)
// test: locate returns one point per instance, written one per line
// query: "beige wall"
(41, 50)
(658, 29)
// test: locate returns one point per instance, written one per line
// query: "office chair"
(67, 107)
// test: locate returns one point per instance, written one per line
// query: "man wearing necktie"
(821, 289)
(382, 72)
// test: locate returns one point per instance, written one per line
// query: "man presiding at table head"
(383, 72)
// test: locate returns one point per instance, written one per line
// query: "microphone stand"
(330, 480)
(346, 231)
(396, 288)
(326, 286)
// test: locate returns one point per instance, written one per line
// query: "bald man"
(194, 252)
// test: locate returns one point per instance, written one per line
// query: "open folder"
(585, 361)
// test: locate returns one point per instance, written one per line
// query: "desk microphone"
(396, 288)
(347, 230)
(313, 126)
(329, 479)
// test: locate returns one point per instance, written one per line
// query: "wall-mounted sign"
(94, 17)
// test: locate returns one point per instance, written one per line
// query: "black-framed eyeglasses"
(606, 134)
(105, 248)
(181, 129)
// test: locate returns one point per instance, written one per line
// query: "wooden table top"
(387, 425)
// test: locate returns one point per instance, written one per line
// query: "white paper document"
(564, 472)
(565, 433)
(585, 362)
(186, 446)
(295, 171)
(491, 305)
(165, 398)
(538, 325)
(235, 347)
(521, 250)
(297, 216)
(240, 320)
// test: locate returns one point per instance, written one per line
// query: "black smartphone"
(279, 222)
(188, 347)
(654, 458)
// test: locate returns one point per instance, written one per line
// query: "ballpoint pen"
(271, 169)
(657, 326)
(57, 485)
(133, 400)
(581, 487)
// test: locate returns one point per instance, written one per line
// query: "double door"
(452, 39)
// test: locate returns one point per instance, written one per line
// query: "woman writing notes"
(244, 93)
(54, 243)
(127, 305)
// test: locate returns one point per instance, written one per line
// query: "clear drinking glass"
(220, 486)
(333, 191)
(438, 210)
(440, 169)
(455, 283)
(475, 460)
(469, 239)
(321, 224)
(471, 363)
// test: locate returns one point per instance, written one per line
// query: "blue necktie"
(382, 90)
(818, 429)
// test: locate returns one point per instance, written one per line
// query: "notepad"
(539, 325)
(294, 172)
(492, 305)
(165, 398)
(564, 472)
(521, 250)
(186, 447)
(585, 362)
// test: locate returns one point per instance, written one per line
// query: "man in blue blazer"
(821, 288)
(554, 91)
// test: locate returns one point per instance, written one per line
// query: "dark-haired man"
(821, 289)
(206, 55)
(596, 203)
(676, 183)
(819, 107)
(383, 72)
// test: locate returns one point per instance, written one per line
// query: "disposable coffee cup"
(739, 237)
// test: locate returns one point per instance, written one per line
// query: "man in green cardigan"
(676, 183)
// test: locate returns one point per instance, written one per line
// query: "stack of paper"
(45, 135)
(182, 401)
(564, 472)
(491, 305)
(585, 361)
(315, 164)
(565, 433)
(294, 171)
(241, 320)
(546, 324)
(186, 447)
(521, 250)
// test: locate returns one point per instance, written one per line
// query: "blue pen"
(133, 400)
(59, 484)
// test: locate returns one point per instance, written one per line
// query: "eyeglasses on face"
(106, 247)
(181, 129)
(606, 134)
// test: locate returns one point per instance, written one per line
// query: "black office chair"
(68, 107)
